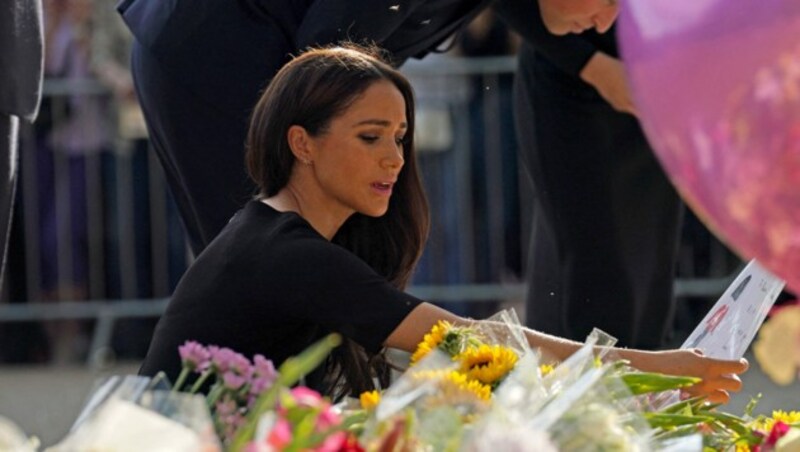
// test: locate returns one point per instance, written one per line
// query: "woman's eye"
(369, 138)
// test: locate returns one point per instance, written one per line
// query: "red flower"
(778, 430)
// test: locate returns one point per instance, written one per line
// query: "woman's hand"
(719, 375)
(607, 75)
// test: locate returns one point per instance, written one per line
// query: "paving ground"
(45, 400)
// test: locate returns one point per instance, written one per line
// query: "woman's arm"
(719, 376)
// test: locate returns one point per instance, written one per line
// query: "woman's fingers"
(730, 383)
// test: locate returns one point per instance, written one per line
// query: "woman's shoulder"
(259, 228)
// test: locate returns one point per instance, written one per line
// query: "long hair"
(310, 91)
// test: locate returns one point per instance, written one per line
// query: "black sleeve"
(336, 289)
(569, 53)
(330, 21)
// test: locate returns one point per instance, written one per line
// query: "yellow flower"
(369, 399)
(456, 383)
(546, 369)
(454, 386)
(430, 341)
(765, 424)
(487, 363)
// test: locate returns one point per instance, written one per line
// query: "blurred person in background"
(74, 129)
(606, 226)
(493, 146)
(146, 234)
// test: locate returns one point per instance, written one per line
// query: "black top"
(270, 284)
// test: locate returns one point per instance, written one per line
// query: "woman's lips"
(384, 188)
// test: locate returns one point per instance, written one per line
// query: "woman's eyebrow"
(379, 122)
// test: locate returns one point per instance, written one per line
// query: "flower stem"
(200, 381)
(181, 379)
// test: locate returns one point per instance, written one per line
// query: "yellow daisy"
(430, 341)
(369, 399)
(487, 363)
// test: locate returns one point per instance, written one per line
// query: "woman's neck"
(305, 204)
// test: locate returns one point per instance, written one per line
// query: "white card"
(732, 323)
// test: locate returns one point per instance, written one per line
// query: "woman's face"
(357, 159)
(576, 16)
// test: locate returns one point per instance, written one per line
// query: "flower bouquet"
(475, 389)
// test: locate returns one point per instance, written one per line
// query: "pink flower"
(307, 397)
(194, 356)
(333, 443)
(327, 419)
(779, 429)
(281, 434)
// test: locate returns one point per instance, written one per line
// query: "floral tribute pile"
(477, 388)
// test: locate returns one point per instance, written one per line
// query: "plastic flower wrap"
(124, 414)
(12, 438)
(135, 413)
(589, 407)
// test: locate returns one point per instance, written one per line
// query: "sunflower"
(488, 364)
(431, 340)
(369, 399)
(454, 386)
(765, 424)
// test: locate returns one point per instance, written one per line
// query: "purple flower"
(259, 385)
(221, 358)
(233, 381)
(227, 360)
(226, 406)
(241, 366)
(194, 356)
(264, 375)
(264, 368)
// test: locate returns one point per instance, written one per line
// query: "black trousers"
(606, 220)
(197, 105)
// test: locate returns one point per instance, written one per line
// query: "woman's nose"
(604, 19)
(394, 157)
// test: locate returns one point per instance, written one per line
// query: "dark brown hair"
(310, 91)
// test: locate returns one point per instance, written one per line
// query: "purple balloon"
(717, 85)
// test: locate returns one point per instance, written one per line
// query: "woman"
(333, 235)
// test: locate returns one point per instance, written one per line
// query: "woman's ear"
(300, 143)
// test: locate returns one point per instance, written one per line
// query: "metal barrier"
(467, 260)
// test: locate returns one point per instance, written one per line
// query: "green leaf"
(648, 382)
(751, 405)
(684, 405)
(669, 421)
